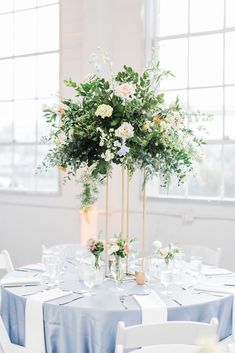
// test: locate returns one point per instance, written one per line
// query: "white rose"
(71, 133)
(175, 119)
(164, 252)
(107, 156)
(125, 131)
(60, 139)
(104, 110)
(125, 91)
(157, 244)
(113, 249)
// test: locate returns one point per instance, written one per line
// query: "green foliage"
(161, 143)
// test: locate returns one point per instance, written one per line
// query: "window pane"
(176, 49)
(230, 58)
(170, 10)
(174, 189)
(47, 2)
(25, 32)
(48, 75)
(6, 35)
(5, 122)
(208, 180)
(6, 6)
(46, 180)
(170, 96)
(25, 121)
(24, 167)
(6, 79)
(5, 166)
(230, 11)
(24, 4)
(206, 15)
(25, 77)
(230, 112)
(43, 128)
(48, 28)
(206, 60)
(208, 101)
(229, 171)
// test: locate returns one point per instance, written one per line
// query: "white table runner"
(153, 308)
(34, 327)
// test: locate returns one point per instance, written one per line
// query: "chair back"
(209, 256)
(171, 332)
(5, 261)
(5, 342)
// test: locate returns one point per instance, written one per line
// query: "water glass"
(52, 267)
(89, 277)
(166, 278)
(195, 266)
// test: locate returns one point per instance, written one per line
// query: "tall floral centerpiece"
(120, 120)
(96, 247)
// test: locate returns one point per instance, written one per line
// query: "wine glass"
(166, 278)
(195, 266)
(179, 265)
(52, 268)
(89, 278)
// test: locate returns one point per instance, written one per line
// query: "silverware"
(176, 301)
(72, 300)
(122, 300)
(214, 294)
(229, 285)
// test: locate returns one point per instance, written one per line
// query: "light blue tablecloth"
(89, 325)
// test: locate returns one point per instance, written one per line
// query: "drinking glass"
(179, 266)
(116, 276)
(195, 266)
(89, 277)
(166, 278)
(52, 268)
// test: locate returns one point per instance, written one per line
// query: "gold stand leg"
(127, 214)
(123, 198)
(143, 222)
(106, 223)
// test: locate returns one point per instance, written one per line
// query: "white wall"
(118, 27)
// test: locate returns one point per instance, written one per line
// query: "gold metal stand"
(106, 222)
(123, 198)
(127, 213)
(143, 222)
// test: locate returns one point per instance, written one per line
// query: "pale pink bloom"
(164, 252)
(125, 91)
(127, 249)
(91, 243)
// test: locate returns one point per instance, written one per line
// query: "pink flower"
(91, 243)
(126, 249)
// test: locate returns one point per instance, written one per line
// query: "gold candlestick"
(127, 214)
(106, 222)
(143, 221)
(123, 198)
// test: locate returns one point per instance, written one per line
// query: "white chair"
(209, 256)
(171, 332)
(5, 261)
(5, 343)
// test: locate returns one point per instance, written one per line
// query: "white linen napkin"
(34, 328)
(153, 308)
(220, 289)
(215, 271)
(19, 281)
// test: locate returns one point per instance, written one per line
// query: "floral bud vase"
(118, 269)
(97, 262)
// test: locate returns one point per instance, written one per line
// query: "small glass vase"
(116, 270)
(97, 263)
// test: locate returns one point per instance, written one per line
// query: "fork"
(122, 300)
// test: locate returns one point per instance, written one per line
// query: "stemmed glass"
(179, 265)
(52, 268)
(89, 277)
(149, 271)
(166, 278)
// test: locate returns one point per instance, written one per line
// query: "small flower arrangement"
(120, 246)
(167, 253)
(96, 247)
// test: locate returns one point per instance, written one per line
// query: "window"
(196, 42)
(29, 71)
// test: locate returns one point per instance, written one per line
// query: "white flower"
(70, 133)
(157, 244)
(209, 345)
(107, 156)
(60, 139)
(113, 249)
(164, 252)
(125, 131)
(104, 110)
(175, 119)
(125, 91)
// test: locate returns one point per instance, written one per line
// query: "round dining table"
(88, 324)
